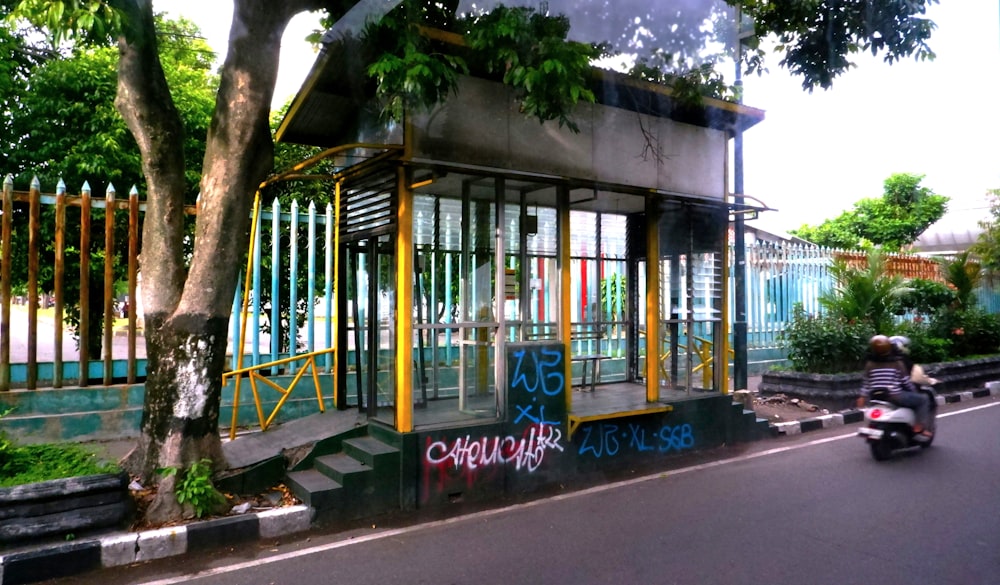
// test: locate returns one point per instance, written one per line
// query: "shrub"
(927, 297)
(868, 294)
(826, 344)
(925, 347)
(972, 331)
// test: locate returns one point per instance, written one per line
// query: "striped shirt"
(890, 374)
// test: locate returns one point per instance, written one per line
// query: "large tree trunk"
(187, 308)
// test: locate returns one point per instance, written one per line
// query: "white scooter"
(889, 427)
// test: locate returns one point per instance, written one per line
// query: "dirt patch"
(777, 408)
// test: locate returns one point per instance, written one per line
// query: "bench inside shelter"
(587, 335)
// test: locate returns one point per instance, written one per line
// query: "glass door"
(371, 330)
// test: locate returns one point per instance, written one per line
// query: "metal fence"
(293, 255)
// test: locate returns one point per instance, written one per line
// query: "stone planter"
(844, 388)
(63, 506)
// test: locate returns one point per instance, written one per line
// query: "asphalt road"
(808, 509)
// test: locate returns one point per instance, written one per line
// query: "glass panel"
(455, 312)
(582, 234)
(383, 334)
(545, 241)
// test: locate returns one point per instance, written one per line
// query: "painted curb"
(116, 550)
(853, 415)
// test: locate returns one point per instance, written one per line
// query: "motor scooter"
(889, 427)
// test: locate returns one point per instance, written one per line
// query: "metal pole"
(739, 232)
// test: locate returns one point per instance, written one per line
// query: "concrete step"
(371, 451)
(344, 469)
(315, 489)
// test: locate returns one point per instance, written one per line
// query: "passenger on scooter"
(886, 369)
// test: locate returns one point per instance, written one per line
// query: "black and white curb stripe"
(117, 550)
(851, 416)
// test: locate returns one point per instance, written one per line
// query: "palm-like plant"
(864, 295)
(964, 275)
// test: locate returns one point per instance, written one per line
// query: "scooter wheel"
(881, 450)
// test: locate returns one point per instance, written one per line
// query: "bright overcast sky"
(816, 154)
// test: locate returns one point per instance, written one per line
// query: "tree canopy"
(64, 126)
(987, 247)
(896, 219)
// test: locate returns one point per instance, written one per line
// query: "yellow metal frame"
(705, 351)
(254, 376)
(576, 420)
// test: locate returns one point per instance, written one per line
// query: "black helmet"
(880, 345)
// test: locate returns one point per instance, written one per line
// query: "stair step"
(370, 450)
(343, 468)
(314, 488)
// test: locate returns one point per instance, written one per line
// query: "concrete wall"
(482, 126)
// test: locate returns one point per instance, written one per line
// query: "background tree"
(66, 127)
(987, 248)
(895, 220)
(22, 54)
(187, 299)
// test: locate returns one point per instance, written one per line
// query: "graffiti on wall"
(537, 377)
(468, 454)
(536, 413)
(608, 439)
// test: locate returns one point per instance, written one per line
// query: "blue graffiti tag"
(525, 411)
(600, 439)
(602, 442)
(547, 371)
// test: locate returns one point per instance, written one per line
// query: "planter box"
(957, 375)
(63, 506)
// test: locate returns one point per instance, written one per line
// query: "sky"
(816, 154)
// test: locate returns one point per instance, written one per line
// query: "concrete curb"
(64, 560)
(853, 415)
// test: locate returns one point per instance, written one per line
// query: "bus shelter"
(470, 230)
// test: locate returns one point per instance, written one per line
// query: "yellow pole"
(652, 301)
(722, 353)
(238, 343)
(404, 304)
(565, 288)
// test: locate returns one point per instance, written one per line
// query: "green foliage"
(690, 83)
(925, 346)
(34, 463)
(898, 218)
(613, 290)
(988, 245)
(408, 71)
(926, 297)
(549, 72)
(819, 37)
(964, 276)
(195, 487)
(529, 51)
(826, 344)
(89, 21)
(869, 294)
(69, 128)
(971, 331)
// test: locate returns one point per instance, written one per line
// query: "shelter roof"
(326, 108)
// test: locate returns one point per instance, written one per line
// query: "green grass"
(34, 463)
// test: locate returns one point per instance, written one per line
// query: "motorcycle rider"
(886, 368)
